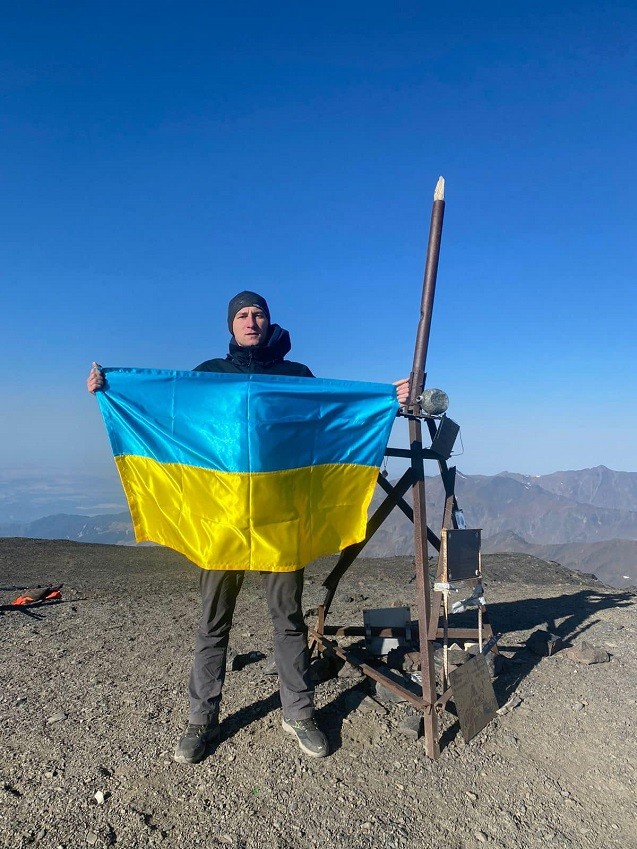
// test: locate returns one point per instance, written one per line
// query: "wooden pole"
(417, 382)
(418, 373)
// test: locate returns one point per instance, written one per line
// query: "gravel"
(94, 699)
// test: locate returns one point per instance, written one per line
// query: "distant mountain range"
(114, 528)
(585, 520)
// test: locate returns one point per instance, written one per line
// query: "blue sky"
(156, 158)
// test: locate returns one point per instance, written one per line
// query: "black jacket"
(259, 359)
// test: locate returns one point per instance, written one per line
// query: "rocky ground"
(94, 698)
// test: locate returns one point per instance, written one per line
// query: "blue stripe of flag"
(246, 423)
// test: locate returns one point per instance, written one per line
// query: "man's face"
(250, 326)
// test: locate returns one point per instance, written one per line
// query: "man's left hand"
(402, 390)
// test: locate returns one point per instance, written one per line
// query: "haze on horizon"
(152, 168)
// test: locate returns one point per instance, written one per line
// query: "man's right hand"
(95, 380)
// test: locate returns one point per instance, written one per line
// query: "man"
(257, 347)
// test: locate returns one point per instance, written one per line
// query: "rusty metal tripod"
(442, 432)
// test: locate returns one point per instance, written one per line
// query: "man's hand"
(402, 390)
(95, 380)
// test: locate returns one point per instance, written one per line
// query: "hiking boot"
(311, 740)
(193, 745)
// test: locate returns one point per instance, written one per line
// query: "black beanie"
(246, 299)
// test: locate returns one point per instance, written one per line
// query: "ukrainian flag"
(246, 471)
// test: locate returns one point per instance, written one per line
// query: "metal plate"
(473, 696)
(461, 552)
(385, 617)
(445, 438)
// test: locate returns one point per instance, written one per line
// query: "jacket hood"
(277, 345)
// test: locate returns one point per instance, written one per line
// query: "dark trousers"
(219, 591)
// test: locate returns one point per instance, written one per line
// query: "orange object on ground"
(41, 594)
